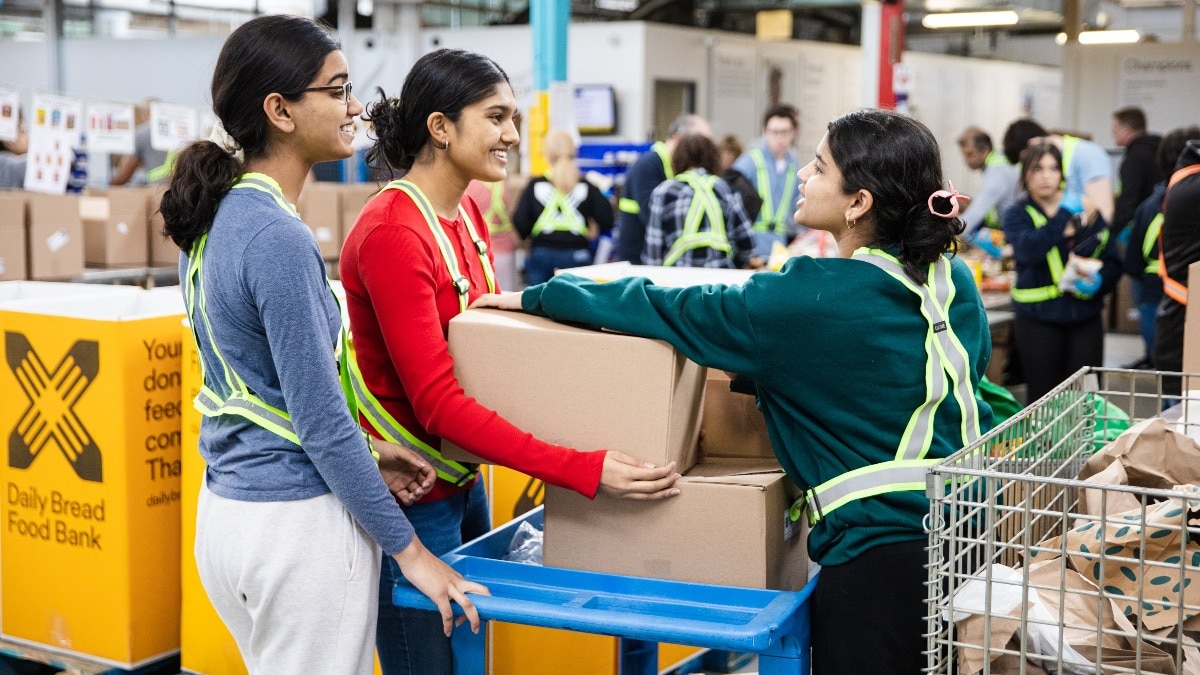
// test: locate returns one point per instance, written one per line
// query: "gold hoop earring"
(851, 223)
(446, 144)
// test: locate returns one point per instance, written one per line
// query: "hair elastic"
(950, 195)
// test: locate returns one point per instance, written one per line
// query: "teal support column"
(548, 20)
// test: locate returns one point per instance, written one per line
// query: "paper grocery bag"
(1115, 554)
(1150, 455)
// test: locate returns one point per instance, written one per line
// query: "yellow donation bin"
(90, 523)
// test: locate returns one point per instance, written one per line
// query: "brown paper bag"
(1151, 454)
(1057, 592)
(1130, 565)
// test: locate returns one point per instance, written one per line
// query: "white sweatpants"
(296, 583)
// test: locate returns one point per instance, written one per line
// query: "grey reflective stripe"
(867, 482)
(945, 357)
(239, 404)
(265, 184)
(384, 424)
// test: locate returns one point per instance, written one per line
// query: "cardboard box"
(728, 526)
(320, 208)
(14, 235)
(354, 197)
(161, 251)
(732, 425)
(55, 236)
(114, 228)
(577, 387)
(90, 524)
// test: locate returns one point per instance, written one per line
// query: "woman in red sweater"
(418, 254)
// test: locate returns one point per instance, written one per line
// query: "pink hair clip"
(952, 197)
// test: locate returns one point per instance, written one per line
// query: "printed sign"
(110, 128)
(10, 106)
(172, 126)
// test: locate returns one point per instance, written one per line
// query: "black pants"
(1050, 352)
(868, 615)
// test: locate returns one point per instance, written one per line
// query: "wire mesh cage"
(1032, 570)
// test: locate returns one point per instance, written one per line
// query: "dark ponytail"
(444, 81)
(269, 54)
(896, 159)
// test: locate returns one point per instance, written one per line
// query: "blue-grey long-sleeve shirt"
(276, 322)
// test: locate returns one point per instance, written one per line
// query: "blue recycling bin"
(641, 612)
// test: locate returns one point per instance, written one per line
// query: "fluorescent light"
(1102, 37)
(969, 19)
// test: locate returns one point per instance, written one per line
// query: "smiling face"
(822, 205)
(482, 136)
(324, 120)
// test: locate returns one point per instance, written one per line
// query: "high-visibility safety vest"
(704, 206)
(381, 421)
(560, 214)
(1174, 290)
(1054, 261)
(1153, 232)
(498, 220)
(160, 173)
(991, 219)
(771, 218)
(947, 373)
(241, 401)
(627, 205)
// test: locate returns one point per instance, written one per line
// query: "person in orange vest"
(1058, 327)
(1142, 251)
(1180, 248)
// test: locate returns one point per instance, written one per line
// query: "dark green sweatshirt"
(837, 349)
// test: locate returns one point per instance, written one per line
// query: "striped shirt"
(669, 205)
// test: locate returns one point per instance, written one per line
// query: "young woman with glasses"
(294, 510)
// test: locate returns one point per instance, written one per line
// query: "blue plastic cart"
(641, 612)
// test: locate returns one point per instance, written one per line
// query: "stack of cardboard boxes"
(592, 389)
(41, 236)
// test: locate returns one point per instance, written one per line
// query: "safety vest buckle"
(462, 285)
(812, 505)
(481, 246)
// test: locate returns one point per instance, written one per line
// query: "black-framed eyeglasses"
(344, 88)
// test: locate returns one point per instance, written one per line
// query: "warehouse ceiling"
(824, 20)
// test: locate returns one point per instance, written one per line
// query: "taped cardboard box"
(728, 526)
(582, 388)
(162, 252)
(320, 208)
(90, 526)
(14, 235)
(732, 425)
(55, 237)
(115, 227)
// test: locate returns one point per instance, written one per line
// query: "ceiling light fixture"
(1103, 37)
(970, 19)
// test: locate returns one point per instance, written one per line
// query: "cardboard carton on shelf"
(320, 207)
(55, 237)
(578, 387)
(728, 526)
(14, 235)
(354, 198)
(114, 227)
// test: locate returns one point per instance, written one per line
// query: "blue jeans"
(1147, 304)
(411, 641)
(543, 260)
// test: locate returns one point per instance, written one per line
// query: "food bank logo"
(52, 395)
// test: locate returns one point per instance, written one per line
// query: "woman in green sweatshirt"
(866, 367)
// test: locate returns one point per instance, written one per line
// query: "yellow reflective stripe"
(995, 158)
(868, 481)
(1053, 261)
(266, 184)
(162, 171)
(560, 215)
(1068, 153)
(630, 206)
(1148, 244)
(489, 275)
(497, 215)
(462, 285)
(770, 217)
(392, 431)
(660, 149)
(704, 204)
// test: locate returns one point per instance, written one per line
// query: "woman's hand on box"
(406, 473)
(631, 478)
(510, 301)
